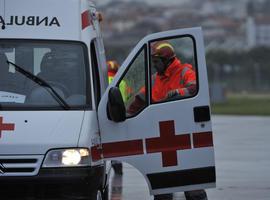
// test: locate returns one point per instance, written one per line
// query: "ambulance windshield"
(62, 65)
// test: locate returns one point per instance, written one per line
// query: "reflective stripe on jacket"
(180, 77)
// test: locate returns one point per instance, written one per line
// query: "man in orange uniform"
(172, 80)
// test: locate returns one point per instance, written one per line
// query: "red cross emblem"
(168, 143)
(5, 127)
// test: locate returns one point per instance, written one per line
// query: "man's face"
(159, 65)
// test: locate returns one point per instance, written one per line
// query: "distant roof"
(262, 19)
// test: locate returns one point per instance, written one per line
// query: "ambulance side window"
(94, 65)
(173, 67)
(133, 85)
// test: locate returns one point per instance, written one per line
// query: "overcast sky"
(165, 1)
(148, 1)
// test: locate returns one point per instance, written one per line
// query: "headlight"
(67, 158)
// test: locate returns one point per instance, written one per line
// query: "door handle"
(201, 114)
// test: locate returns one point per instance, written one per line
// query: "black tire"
(105, 194)
(163, 197)
(196, 195)
(97, 195)
(118, 168)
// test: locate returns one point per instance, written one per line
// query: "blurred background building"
(236, 34)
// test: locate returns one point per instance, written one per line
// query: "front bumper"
(54, 183)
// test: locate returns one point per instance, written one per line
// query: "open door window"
(180, 54)
(134, 83)
(165, 128)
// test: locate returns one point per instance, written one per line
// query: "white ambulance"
(60, 122)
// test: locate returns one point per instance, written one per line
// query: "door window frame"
(146, 64)
(95, 72)
(196, 67)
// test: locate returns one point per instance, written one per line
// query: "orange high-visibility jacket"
(180, 77)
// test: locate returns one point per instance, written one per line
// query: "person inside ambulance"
(62, 71)
(6, 77)
(46, 66)
(39, 95)
(172, 78)
(69, 73)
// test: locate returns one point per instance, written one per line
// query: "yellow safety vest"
(123, 88)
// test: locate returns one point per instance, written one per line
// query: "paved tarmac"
(242, 154)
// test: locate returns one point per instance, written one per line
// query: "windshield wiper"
(42, 83)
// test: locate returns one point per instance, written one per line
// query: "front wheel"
(97, 195)
(105, 194)
(196, 195)
(101, 195)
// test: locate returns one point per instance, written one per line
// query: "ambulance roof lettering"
(55, 22)
(30, 21)
(2, 20)
(43, 19)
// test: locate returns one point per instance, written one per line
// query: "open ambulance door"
(170, 141)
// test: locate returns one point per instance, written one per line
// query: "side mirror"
(116, 110)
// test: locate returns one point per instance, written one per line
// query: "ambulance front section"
(47, 104)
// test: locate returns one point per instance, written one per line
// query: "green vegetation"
(240, 70)
(244, 105)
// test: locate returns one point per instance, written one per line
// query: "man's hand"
(172, 93)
